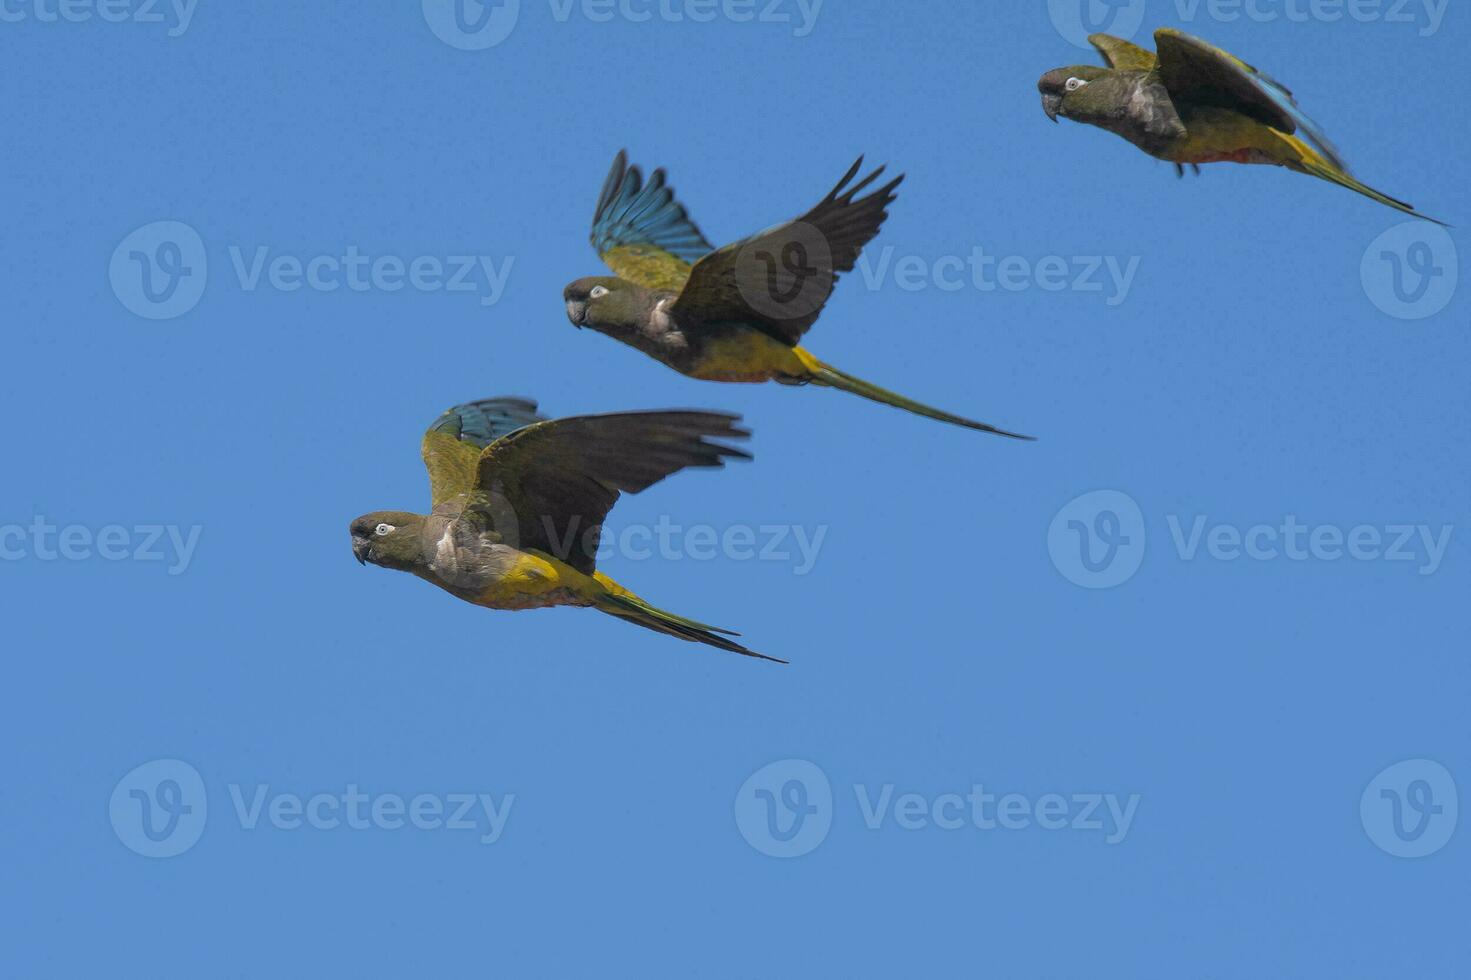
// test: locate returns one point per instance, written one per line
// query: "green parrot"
(737, 313)
(519, 501)
(1192, 103)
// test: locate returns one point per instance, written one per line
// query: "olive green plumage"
(518, 502)
(1191, 103)
(735, 314)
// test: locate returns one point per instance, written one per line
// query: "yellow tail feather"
(831, 377)
(1309, 161)
(618, 601)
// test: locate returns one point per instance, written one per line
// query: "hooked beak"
(360, 549)
(577, 312)
(1051, 104)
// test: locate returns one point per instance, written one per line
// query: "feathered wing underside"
(1121, 54)
(557, 480)
(779, 279)
(451, 447)
(642, 232)
(1194, 71)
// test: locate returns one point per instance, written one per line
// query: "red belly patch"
(1235, 156)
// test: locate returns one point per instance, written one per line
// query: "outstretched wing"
(640, 230)
(779, 280)
(1194, 71)
(451, 448)
(557, 480)
(1121, 54)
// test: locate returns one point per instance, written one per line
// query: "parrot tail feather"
(1310, 164)
(831, 377)
(627, 606)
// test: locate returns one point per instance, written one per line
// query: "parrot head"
(388, 539)
(604, 302)
(1065, 93)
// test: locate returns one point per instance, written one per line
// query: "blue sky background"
(938, 641)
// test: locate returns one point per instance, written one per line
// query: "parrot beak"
(576, 312)
(360, 549)
(1051, 104)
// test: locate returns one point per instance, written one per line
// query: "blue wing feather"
(632, 212)
(1282, 97)
(482, 423)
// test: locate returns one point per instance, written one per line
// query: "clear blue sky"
(1241, 385)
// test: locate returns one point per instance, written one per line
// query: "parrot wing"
(545, 486)
(451, 447)
(1194, 71)
(1121, 54)
(778, 280)
(642, 232)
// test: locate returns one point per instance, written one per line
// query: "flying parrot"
(1191, 103)
(736, 313)
(519, 501)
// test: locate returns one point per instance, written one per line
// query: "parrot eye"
(383, 529)
(1073, 84)
(598, 292)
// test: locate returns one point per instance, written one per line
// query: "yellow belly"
(1221, 136)
(748, 356)
(538, 581)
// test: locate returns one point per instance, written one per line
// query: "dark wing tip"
(730, 451)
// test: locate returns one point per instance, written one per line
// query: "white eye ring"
(597, 292)
(1073, 84)
(383, 529)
